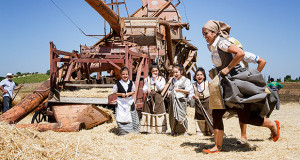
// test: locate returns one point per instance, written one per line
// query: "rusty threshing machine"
(153, 33)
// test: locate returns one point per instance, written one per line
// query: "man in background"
(7, 86)
(275, 87)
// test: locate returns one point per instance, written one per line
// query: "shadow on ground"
(229, 144)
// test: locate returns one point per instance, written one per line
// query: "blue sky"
(268, 28)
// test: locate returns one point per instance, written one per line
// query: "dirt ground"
(102, 143)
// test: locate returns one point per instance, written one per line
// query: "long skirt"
(178, 114)
(134, 126)
(154, 114)
(201, 125)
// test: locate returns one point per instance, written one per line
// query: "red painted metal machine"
(153, 33)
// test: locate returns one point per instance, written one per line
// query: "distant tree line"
(20, 74)
(287, 78)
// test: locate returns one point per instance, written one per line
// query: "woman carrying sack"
(242, 89)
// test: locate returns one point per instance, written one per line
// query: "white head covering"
(8, 74)
(219, 27)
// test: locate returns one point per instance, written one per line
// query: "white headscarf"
(221, 28)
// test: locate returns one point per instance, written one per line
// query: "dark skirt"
(201, 125)
(154, 114)
(154, 104)
(198, 113)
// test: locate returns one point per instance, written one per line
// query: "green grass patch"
(31, 78)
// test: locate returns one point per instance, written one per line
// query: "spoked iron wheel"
(39, 116)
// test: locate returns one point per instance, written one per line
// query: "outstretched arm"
(19, 86)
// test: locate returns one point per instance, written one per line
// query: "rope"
(129, 21)
(185, 12)
(71, 19)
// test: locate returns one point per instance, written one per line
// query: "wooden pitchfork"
(17, 92)
(206, 117)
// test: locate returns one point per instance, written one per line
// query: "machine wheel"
(38, 117)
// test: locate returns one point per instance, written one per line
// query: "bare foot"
(274, 129)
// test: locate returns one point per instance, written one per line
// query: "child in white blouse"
(126, 114)
(180, 89)
(153, 112)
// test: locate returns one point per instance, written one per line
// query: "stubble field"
(101, 142)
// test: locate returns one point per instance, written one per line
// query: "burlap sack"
(215, 98)
(213, 72)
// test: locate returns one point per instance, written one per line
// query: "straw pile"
(88, 93)
(102, 143)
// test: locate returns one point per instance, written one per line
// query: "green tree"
(287, 78)
(278, 80)
(48, 72)
(19, 73)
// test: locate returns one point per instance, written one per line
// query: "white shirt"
(123, 113)
(188, 87)
(200, 87)
(213, 48)
(160, 85)
(9, 86)
(250, 57)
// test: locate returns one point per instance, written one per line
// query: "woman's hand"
(225, 71)
(124, 95)
(148, 91)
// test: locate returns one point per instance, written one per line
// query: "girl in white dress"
(126, 114)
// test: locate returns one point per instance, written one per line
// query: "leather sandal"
(276, 137)
(208, 151)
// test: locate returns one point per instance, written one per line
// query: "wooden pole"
(27, 105)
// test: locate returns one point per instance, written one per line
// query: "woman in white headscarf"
(242, 89)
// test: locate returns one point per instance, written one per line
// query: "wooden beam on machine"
(138, 76)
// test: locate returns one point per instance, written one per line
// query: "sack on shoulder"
(215, 98)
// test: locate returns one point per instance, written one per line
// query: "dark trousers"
(245, 115)
(6, 103)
